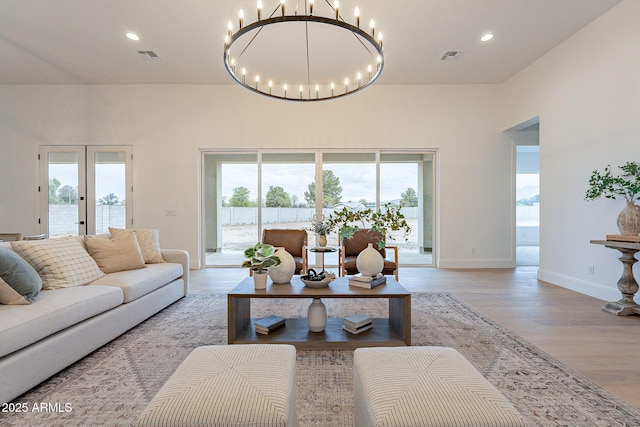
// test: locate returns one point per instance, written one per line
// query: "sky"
(110, 178)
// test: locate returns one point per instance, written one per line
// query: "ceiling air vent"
(451, 54)
(148, 55)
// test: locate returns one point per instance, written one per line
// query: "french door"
(85, 189)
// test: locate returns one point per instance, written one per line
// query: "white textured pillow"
(117, 254)
(148, 240)
(61, 263)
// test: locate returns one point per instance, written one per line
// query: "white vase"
(629, 220)
(260, 280)
(317, 316)
(283, 272)
(369, 262)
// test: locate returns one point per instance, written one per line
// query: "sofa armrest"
(180, 257)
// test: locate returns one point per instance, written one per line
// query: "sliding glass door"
(244, 193)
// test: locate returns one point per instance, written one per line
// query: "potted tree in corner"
(625, 185)
(259, 259)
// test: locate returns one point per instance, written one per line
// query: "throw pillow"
(61, 262)
(19, 282)
(148, 240)
(116, 254)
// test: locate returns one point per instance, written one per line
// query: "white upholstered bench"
(234, 385)
(425, 386)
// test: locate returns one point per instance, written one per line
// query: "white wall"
(587, 95)
(168, 124)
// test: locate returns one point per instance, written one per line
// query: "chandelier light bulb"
(359, 76)
(380, 39)
(356, 12)
(240, 17)
(370, 70)
(301, 91)
(244, 75)
(332, 88)
(285, 90)
(310, 7)
(259, 7)
(317, 90)
(346, 85)
(372, 25)
(270, 86)
(226, 39)
(282, 6)
(336, 7)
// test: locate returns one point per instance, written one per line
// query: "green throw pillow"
(19, 282)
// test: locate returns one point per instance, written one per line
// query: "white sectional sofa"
(63, 325)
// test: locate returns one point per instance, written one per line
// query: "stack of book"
(269, 324)
(368, 282)
(357, 323)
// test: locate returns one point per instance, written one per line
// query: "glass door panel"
(406, 179)
(63, 205)
(109, 173)
(348, 179)
(231, 214)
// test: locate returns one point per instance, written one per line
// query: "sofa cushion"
(137, 283)
(53, 311)
(61, 262)
(19, 282)
(149, 241)
(116, 254)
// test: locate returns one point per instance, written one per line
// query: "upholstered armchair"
(350, 249)
(293, 241)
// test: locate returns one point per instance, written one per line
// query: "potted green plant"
(259, 259)
(321, 228)
(625, 185)
(347, 221)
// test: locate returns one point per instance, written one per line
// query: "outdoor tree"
(110, 199)
(240, 198)
(409, 198)
(54, 184)
(294, 200)
(277, 198)
(331, 190)
(68, 195)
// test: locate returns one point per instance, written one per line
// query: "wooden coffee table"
(392, 331)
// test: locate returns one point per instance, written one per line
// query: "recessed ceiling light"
(132, 36)
(486, 37)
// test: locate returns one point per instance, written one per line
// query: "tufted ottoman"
(234, 385)
(425, 386)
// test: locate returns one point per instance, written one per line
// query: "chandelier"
(303, 53)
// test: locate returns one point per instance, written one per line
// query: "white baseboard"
(476, 263)
(582, 286)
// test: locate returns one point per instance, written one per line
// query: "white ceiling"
(82, 41)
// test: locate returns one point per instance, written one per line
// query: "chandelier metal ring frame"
(260, 87)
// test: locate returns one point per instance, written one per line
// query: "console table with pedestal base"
(627, 284)
(392, 331)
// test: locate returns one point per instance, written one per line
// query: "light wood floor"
(569, 326)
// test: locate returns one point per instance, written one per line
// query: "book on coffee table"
(269, 324)
(357, 323)
(377, 281)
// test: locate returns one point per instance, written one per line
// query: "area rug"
(113, 385)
